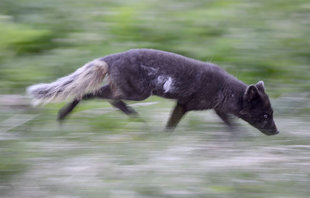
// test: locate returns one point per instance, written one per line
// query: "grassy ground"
(99, 152)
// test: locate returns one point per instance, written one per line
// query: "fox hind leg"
(123, 107)
(66, 110)
(104, 92)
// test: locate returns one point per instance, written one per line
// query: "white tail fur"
(86, 79)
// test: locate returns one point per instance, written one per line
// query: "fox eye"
(266, 116)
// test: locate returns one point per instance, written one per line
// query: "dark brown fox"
(139, 73)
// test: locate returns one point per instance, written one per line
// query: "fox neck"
(232, 97)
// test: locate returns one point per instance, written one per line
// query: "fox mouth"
(272, 130)
(269, 132)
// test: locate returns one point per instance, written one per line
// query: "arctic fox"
(139, 73)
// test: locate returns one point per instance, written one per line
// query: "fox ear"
(260, 86)
(251, 92)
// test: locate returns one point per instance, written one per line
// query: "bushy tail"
(86, 79)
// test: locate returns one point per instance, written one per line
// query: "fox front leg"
(227, 119)
(177, 114)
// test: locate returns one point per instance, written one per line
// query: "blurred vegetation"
(254, 40)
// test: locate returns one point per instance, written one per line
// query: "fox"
(137, 74)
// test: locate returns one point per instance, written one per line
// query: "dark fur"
(139, 73)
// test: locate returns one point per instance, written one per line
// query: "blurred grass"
(43, 40)
(110, 155)
(99, 152)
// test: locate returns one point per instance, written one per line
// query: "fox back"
(142, 72)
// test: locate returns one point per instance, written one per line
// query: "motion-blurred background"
(99, 152)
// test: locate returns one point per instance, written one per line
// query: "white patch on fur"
(165, 82)
(161, 80)
(168, 85)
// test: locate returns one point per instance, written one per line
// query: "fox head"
(256, 109)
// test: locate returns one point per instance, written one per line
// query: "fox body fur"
(139, 73)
